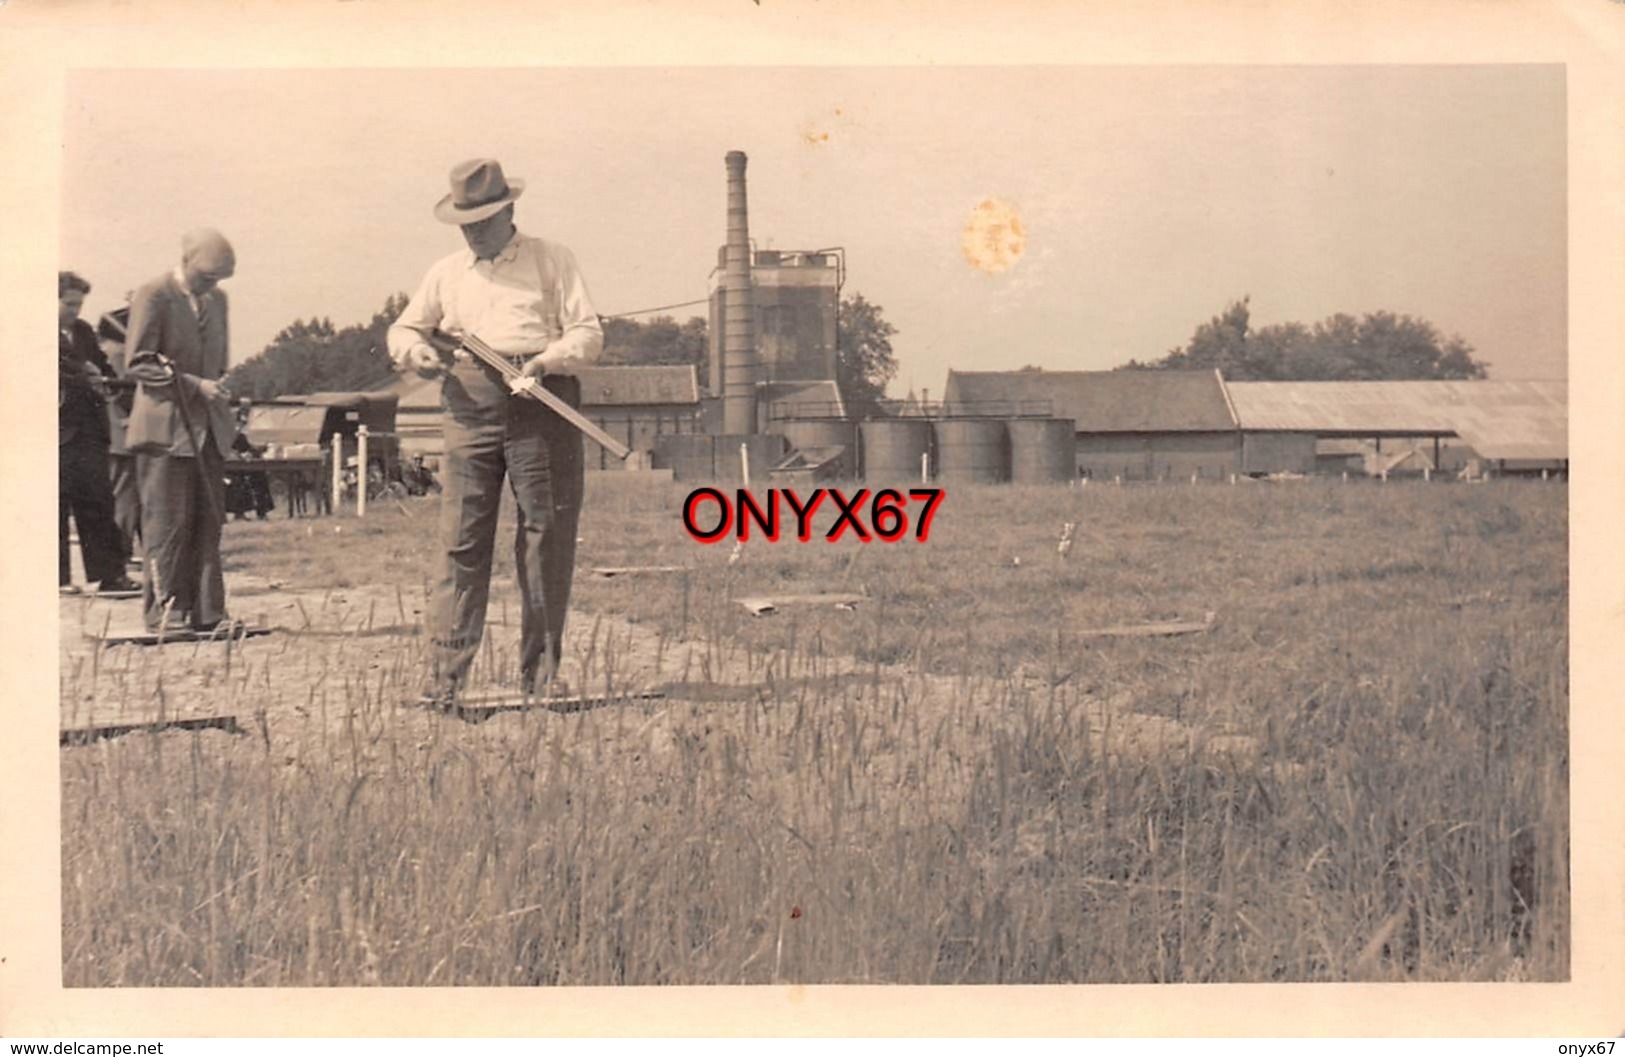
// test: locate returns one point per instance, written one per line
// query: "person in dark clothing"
(246, 489)
(84, 491)
(112, 331)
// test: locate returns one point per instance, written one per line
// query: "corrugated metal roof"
(1499, 419)
(639, 385)
(1105, 401)
(285, 424)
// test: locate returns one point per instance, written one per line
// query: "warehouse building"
(1134, 425)
(1502, 426)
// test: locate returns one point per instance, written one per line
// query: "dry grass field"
(1359, 773)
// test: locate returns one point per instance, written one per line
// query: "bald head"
(207, 259)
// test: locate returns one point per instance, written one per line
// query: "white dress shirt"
(529, 299)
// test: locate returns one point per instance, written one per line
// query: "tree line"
(1376, 346)
(314, 356)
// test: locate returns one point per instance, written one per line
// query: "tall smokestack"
(739, 310)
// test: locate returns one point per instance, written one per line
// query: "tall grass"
(1391, 659)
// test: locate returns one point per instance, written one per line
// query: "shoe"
(439, 696)
(548, 689)
(175, 622)
(119, 583)
(223, 626)
(67, 590)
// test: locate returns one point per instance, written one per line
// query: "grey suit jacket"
(176, 419)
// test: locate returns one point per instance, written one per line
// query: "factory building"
(794, 297)
(637, 404)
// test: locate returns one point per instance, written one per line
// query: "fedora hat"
(478, 190)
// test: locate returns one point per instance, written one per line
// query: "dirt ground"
(340, 661)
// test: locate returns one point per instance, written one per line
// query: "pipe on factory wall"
(739, 339)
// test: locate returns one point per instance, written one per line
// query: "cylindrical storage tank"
(892, 448)
(1042, 450)
(972, 449)
(805, 433)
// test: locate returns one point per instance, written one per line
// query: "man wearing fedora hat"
(525, 297)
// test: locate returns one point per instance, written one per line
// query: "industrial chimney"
(739, 310)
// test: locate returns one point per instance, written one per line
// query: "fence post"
(925, 467)
(338, 472)
(744, 463)
(361, 470)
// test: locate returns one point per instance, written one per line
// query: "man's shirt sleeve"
(582, 337)
(421, 315)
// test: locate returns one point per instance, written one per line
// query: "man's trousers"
(126, 500)
(491, 434)
(183, 505)
(84, 492)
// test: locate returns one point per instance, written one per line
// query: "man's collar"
(180, 281)
(505, 255)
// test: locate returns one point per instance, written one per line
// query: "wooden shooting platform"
(98, 730)
(478, 707)
(126, 636)
(1153, 629)
(761, 606)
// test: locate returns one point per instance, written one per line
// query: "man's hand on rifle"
(423, 359)
(213, 390)
(535, 367)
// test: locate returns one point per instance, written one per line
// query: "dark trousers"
(490, 435)
(126, 500)
(182, 509)
(84, 492)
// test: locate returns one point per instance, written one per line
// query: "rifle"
(447, 344)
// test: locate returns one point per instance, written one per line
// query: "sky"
(1150, 196)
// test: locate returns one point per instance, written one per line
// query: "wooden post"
(338, 472)
(744, 463)
(925, 467)
(361, 470)
(1345, 477)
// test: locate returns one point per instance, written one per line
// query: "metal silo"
(893, 447)
(972, 449)
(1042, 450)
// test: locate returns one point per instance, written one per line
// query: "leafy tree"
(864, 361)
(315, 356)
(660, 340)
(1374, 347)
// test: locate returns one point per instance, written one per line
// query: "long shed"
(1137, 425)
